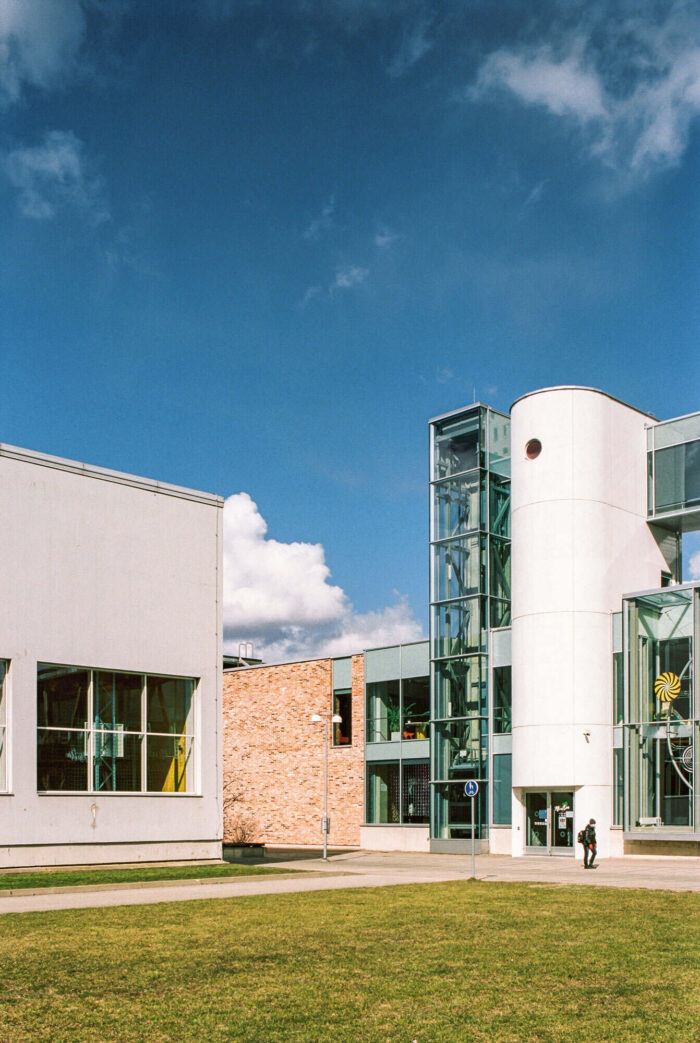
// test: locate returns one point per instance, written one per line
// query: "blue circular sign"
(471, 788)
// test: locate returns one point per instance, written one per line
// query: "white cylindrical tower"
(580, 540)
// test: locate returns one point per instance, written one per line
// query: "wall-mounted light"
(587, 736)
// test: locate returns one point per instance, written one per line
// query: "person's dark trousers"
(585, 856)
(593, 852)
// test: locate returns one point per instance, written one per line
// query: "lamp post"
(334, 718)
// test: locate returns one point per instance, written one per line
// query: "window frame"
(91, 733)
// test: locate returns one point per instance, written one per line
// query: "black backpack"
(581, 838)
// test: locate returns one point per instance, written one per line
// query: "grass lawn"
(456, 961)
(71, 877)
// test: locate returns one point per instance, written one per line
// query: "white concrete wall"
(395, 838)
(104, 570)
(500, 841)
(579, 542)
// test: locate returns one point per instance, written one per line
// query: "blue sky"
(253, 247)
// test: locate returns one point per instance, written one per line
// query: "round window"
(533, 449)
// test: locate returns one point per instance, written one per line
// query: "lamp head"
(336, 719)
(316, 718)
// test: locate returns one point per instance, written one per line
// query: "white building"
(110, 666)
(562, 638)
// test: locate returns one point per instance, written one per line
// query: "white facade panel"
(105, 571)
(580, 539)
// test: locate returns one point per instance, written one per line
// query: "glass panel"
(459, 627)
(677, 477)
(499, 577)
(342, 705)
(458, 446)
(499, 443)
(460, 749)
(660, 666)
(453, 812)
(502, 700)
(169, 700)
(499, 506)
(3, 759)
(500, 613)
(618, 786)
(117, 701)
(686, 429)
(459, 568)
(169, 764)
(117, 762)
(416, 707)
(61, 760)
(502, 788)
(3, 675)
(383, 793)
(562, 820)
(618, 688)
(416, 792)
(660, 774)
(458, 505)
(537, 819)
(62, 693)
(383, 715)
(461, 688)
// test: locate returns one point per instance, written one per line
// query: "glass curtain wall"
(3, 728)
(674, 466)
(661, 722)
(470, 592)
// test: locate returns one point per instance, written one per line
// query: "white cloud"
(694, 566)
(414, 45)
(321, 224)
(631, 84)
(348, 276)
(564, 87)
(278, 595)
(39, 43)
(309, 294)
(56, 175)
(384, 238)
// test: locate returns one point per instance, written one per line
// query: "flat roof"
(466, 409)
(581, 387)
(30, 456)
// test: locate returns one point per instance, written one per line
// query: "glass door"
(549, 818)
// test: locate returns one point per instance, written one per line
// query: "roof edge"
(582, 387)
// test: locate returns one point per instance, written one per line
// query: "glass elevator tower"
(469, 596)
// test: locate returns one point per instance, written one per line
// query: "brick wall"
(273, 755)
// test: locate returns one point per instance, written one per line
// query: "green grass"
(456, 961)
(73, 877)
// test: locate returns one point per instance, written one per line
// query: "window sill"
(103, 793)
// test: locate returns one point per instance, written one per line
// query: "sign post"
(471, 789)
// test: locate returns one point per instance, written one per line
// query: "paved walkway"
(378, 869)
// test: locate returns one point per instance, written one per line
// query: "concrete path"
(378, 869)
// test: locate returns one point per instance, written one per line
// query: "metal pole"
(325, 788)
(472, 803)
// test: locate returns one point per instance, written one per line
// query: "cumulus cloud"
(39, 44)
(628, 79)
(56, 175)
(279, 596)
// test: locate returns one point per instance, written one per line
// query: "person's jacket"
(590, 837)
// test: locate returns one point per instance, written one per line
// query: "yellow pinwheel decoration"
(667, 686)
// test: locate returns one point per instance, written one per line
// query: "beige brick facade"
(273, 756)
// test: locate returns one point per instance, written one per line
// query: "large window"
(3, 728)
(659, 732)
(398, 793)
(111, 732)
(398, 709)
(502, 700)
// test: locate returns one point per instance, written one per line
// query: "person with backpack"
(587, 837)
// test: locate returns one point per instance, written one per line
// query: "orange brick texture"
(273, 756)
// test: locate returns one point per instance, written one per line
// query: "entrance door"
(549, 818)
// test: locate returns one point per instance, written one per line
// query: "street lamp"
(334, 718)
